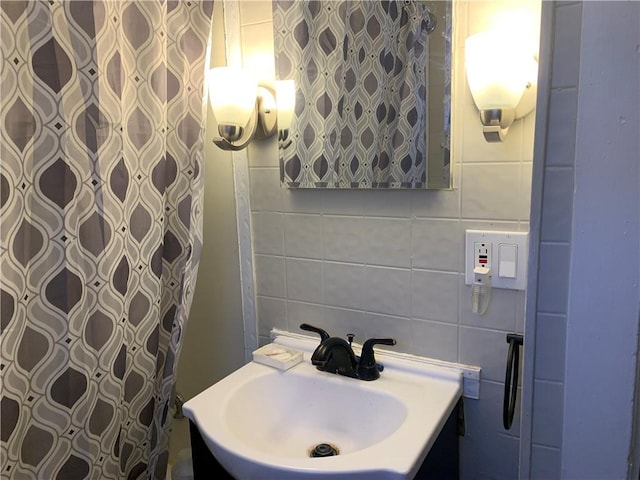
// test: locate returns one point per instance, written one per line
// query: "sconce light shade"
(244, 110)
(286, 98)
(232, 95)
(501, 70)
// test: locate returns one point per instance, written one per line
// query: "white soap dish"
(277, 356)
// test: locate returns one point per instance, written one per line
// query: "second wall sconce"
(502, 74)
(245, 110)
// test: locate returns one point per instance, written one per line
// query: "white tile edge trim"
(470, 374)
(547, 22)
(243, 218)
(242, 195)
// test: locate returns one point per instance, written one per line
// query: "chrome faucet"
(335, 355)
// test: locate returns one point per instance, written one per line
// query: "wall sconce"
(286, 95)
(502, 73)
(245, 110)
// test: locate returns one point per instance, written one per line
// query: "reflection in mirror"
(372, 81)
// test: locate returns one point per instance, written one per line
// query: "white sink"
(261, 422)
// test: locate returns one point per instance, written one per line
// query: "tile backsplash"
(388, 263)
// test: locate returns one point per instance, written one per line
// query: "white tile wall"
(268, 233)
(562, 126)
(435, 295)
(343, 202)
(555, 248)
(387, 326)
(304, 280)
(273, 308)
(437, 244)
(303, 234)
(483, 417)
(548, 401)
(491, 191)
(346, 320)
(487, 348)
(397, 204)
(387, 290)
(558, 195)
(545, 463)
(488, 451)
(498, 457)
(502, 311)
(344, 285)
(298, 201)
(265, 189)
(349, 202)
(524, 197)
(554, 268)
(298, 312)
(256, 11)
(263, 153)
(343, 238)
(435, 340)
(566, 45)
(388, 263)
(269, 272)
(257, 56)
(388, 241)
(438, 203)
(520, 311)
(551, 336)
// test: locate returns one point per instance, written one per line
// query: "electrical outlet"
(505, 253)
(482, 254)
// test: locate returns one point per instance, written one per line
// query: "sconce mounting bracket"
(261, 125)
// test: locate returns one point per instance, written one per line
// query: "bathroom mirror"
(372, 93)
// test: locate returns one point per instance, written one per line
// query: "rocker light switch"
(508, 260)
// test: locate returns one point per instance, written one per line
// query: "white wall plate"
(501, 256)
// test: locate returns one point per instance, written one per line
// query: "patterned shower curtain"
(360, 73)
(101, 187)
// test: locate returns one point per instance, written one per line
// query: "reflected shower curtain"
(360, 73)
(102, 107)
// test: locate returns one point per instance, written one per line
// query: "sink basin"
(300, 410)
(261, 422)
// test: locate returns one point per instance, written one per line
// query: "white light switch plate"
(493, 240)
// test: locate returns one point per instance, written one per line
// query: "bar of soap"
(275, 351)
(281, 355)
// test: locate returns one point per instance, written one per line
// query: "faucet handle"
(310, 328)
(367, 369)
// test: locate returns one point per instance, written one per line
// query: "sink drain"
(323, 450)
